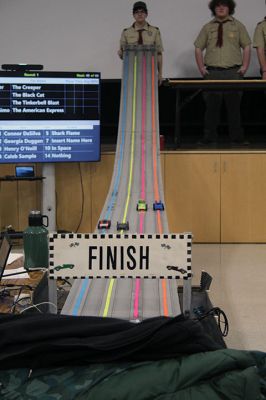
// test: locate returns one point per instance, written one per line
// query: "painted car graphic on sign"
(64, 266)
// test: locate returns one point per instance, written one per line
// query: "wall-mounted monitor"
(49, 117)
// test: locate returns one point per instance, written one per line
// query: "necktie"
(219, 42)
(140, 39)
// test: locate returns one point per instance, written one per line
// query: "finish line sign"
(120, 256)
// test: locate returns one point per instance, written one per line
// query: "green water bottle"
(35, 241)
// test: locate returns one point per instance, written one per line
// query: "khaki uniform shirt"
(259, 39)
(150, 35)
(235, 38)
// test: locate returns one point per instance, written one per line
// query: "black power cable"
(82, 198)
(220, 317)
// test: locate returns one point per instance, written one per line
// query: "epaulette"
(155, 27)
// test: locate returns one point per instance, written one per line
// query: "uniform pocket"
(148, 37)
(233, 35)
(131, 39)
(212, 36)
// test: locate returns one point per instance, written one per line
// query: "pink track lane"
(143, 138)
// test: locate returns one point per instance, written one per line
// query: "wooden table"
(30, 284)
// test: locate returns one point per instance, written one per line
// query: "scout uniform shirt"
(150, 35)
(259, 39)
(235, 37)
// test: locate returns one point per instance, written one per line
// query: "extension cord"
(23, 299)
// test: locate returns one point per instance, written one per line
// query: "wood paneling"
(9, 205)
(192, 195)
(72, 197)
(218, 197)
(101, 174)
(17, 199)
(27, 200)
(85, 222)
(243, 198)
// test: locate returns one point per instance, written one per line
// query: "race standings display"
(49, 117)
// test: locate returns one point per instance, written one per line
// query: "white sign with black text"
(131, 255)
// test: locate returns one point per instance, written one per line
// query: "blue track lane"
(121, 149)
(110, 206)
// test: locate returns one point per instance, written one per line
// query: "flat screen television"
(49, 117)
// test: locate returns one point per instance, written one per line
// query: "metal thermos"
(35, 241)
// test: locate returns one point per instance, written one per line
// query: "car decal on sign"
(64, 266)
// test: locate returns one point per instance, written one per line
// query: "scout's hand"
(242, 70)
(204, 71)
(120, 54)
(264, 75)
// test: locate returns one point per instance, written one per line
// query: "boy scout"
(227, 56)
(142, 33)
(259, 42)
